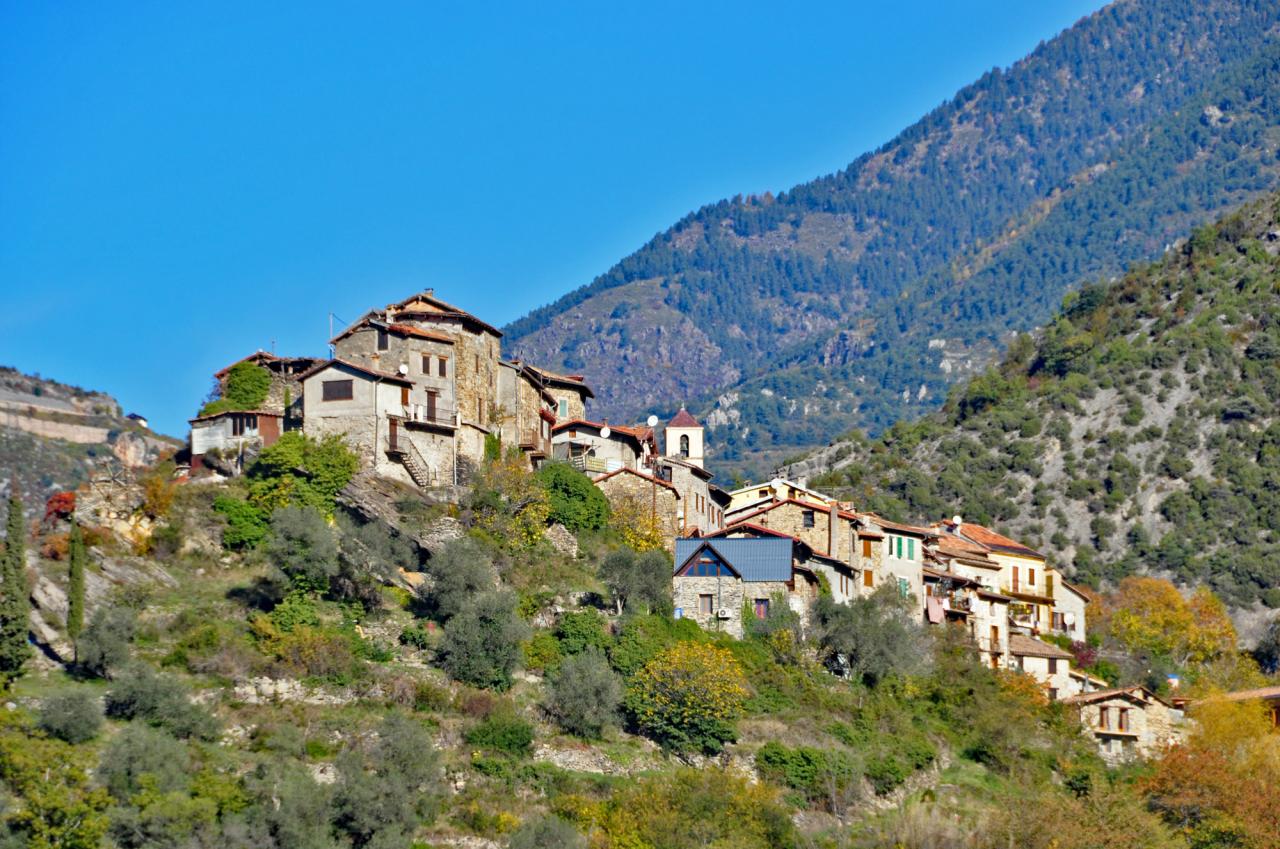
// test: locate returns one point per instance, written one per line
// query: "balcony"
(429, 415)
(534, 443)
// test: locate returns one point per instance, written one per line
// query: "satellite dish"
(605, 432)
(1069, 618)
(955, 520)
(652, 421)
(404, 368)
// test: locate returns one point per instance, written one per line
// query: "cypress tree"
(76, 557)
(15, 599)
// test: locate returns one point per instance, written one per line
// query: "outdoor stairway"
(408, 456)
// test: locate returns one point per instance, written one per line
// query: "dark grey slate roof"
(760, 559)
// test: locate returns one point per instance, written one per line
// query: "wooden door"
(394, 441)
(431, 406)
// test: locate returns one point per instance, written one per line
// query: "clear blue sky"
(181, 184)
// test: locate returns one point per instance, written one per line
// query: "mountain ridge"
(735, 288)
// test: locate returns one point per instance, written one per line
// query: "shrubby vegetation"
(1137, 432)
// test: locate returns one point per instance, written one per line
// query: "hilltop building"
(228, 439)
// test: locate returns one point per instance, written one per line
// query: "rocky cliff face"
(55, 437)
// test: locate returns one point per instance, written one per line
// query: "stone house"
(758, 495)
(599, 448)
(525, 411)
(701, 507)
(716, 582)
(569, 392)
(903, 555)
(1046, 663)
(824, 526)
(842, 578)
(633, 493)
(1270, 696)
(372, 410)
(229, 440)
(452, 393)
(1037, 589)
(1128, 722)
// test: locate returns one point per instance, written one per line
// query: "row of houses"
(419, 390)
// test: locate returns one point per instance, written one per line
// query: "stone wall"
(727, 593)
(633, 494)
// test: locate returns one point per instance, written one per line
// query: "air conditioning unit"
(723, 613)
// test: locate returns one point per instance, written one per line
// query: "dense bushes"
(103, 647)
(140, 693)
(245, 387)
(584, 694)
(575, 501)
(481, 644)
(74, 717)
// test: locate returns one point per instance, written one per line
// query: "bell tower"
(683, 438)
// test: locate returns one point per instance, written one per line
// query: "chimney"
(833, 536)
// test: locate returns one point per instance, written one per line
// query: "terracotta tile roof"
(634, 433)
(270, 413)
(442, 309)
(900, 528)
(683, 419)
(1113, 692)
(258, 356)
(629, 471)
(410, 330)
(374, 373)
(950, 576)
(575, 381)
(1021, 644)
(993, 541)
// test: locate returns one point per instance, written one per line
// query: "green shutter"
(911, 549)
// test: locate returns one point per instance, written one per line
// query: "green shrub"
(481, 644)
(302, 545)
(386, 789)
(584, 695)
(244, 388)
(104, 645)
(297, 469)
(462, 570)
(547, 833)
(542, 652)
(74, 717)
(502, 731)
(416, 637)
(140, 693)
(638, 583)
(643, 637)
(246, 523)
(141, 757)
(817, 773)
(575, 501)
(580, 630)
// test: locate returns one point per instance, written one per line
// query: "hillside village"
(421, 394)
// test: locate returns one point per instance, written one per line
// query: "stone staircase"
(413, 463)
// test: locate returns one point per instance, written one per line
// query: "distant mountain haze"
(856, 299)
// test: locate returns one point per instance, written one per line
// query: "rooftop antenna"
(273, 347)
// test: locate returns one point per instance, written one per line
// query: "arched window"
(684, 445)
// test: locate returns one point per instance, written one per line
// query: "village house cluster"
(420, 391)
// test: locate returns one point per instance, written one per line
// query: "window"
(762, 608)
(562, 408)
(1104, 718)
(442, 363)
(868, 579)
(1124, 719)
(764, 493)
(866, 548)
(1031, 579)
(431, 406)
(706, 604)
(1053, 694)
(404, 396)
(1015, 579)
(911, 549)
(242, 423)
(1048, 584)
(684, 445)
(904, 587)
(809, 521)
(1059, 622)
(337, 390)
(1053, 666)
(383, 341)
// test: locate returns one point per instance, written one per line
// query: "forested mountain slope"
(855, 299)
(1138, 433)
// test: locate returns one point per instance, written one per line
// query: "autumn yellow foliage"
(689, 696)
(1150, 615)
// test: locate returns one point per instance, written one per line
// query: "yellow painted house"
(1041, 600)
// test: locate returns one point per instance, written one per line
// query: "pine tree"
(76, 557)
(15, 599)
